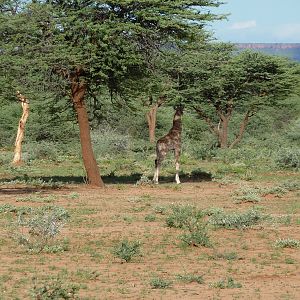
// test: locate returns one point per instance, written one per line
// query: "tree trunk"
(242, 129)
(223, 133)
(151, 116)
(151, 120)
(92, 171)
(17, 160)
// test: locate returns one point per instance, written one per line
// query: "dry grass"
(100, 219)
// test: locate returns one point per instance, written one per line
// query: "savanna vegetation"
(98, 82)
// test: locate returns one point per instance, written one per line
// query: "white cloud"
(243, 25)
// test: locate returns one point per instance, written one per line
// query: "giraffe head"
(179, 109)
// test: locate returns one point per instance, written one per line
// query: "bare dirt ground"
(100, 218)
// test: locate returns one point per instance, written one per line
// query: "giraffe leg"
(158, 161)
(177, 154)
(156, 173)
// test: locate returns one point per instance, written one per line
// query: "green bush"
(126, 250)
(236, 220)
(41, 150)
(5, 158)
(37, 228)
(228, 283)
(287, 243)
(184, 216)
(54, 289)
(293, 131)
(190, 219)
(197, 237)
(288, 159)
(189, 278)
(159, 283)
(108, 142)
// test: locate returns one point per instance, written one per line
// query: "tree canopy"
(77, 47)
(217, 82)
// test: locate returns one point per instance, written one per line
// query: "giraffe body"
(170, 142)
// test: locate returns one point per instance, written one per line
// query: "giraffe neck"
(177, 124)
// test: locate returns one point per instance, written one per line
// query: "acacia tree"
(218, 83)
(93, 43)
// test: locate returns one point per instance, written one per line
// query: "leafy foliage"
(236, 220)
(38, 228)
(126, 250)
(160, 283)
(54, 289)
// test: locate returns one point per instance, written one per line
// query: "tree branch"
(243, 126)
(213, 128)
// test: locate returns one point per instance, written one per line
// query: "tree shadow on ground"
(36, 183)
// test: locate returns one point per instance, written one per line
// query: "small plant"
(144, 180)
(54, 289)
(160, 209)
(189, 278)
(212, 211)
(6, 208)
(287, 243)
(86, 274)
(128, 219)
(236, 220)
(191, 220)
(73, 196)
(227, 283)
(291, 185)
(58, 247)
(37, 229)
(183, 216)
(290, 261)
(160, 283)
(126, 250)
(286, 220)
(247, 194)
(34, 182)
(37, 198)
(150, 218)
(197, 237)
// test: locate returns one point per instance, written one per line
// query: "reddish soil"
(100, 218)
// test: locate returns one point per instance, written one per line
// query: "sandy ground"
(100, 218)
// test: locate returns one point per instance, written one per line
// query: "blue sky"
(258, 21)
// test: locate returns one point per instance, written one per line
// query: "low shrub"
(197, 237)
(236, 220)
(190, 219)
(184, 216)
(228, 283)
(287, 243)
(54, 289)
(288, 159)
(127, 250)
(159, 283)
(189, 278)
(107, 142)
(41, 150)
(37, 228)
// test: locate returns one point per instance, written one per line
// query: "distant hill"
(291, 51)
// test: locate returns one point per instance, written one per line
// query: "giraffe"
(171, 141)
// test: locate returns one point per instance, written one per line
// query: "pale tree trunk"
(151, 116)
(78, 88)
(17, 160)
